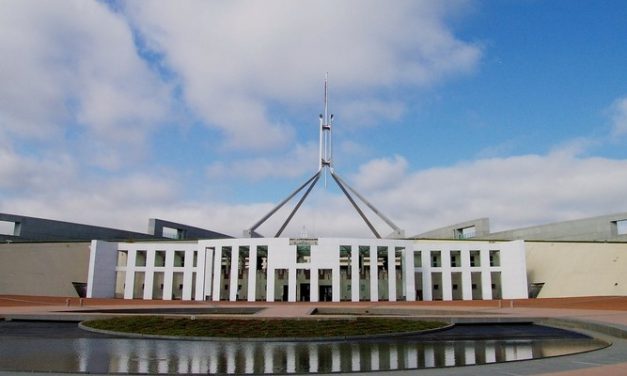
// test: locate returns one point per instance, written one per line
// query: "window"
(160, 258)
(436, 259)
(475, 258)
(9, 228)
(621, 227)
(122, 258)
(417, 259)
(456, 258)
(303, 253)
(173, 233)
(179, 258)
(140, 258)
(466, 232)
(495, 258)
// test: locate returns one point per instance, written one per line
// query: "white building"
(323, 269)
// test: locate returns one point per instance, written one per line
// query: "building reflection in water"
(162, 356)
(150, 356)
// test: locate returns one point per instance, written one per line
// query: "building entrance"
(305, 292)
(326, 293)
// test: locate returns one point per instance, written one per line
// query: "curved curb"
(272, 339)
(587, 324)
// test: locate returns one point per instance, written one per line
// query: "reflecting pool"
(63, 348)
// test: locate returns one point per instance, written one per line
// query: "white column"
(201, 271)
(149, 275)
(466, 275)
(486, 284)
(393, 357)
(252, 273)
(268, 365)
(429, 356)
(102, 276)
(355, 273)
(314, 289)
(513, 270)
(313, 358)
(374, 357)
(290, 357)
(356, 358)
(270, 282)
(374, 275)
(449, 355)
(168, 274)
(391, 273)
(233, 280)
(486, 278)
(249, 357)
(217, 271)
(188, 274)
(427, 289)
(469, 356)
(335, 282)
(447, 286)
(129, 279)
(335, 358)
(490, 353)
(208, 277)
(409, 274)
(291, 284)
(411, 357)
(229, 351)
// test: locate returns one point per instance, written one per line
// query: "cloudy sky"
(206, 113)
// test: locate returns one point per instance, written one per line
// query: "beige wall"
(577, 268)
(566, 268)
(43, 268)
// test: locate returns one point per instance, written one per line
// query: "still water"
(65, 350)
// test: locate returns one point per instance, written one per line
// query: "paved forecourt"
(601, 317)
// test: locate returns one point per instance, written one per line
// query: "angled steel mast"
(325, 162)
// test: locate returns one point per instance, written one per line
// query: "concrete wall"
(577, 269)
(43, 268)
(183, 232)
(588, 229)
(481, 227)
(29, 229)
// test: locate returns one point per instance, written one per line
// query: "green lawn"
(262, 328)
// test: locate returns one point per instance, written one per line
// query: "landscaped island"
(262, 328)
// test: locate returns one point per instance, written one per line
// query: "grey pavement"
(607, 325)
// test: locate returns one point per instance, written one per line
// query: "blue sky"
(206, 112)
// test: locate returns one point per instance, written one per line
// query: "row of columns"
(446, 271)
(257, 358)
(208, 273)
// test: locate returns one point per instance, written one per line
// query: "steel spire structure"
(325, 164)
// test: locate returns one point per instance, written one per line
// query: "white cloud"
(76, 93)
(513, 192)
(369, 112)
(299, 161)
(380, 173)
(618, 113)
(70, 69)
(237, 58)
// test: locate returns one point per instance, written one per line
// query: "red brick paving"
(614, 303)
(610, 309)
